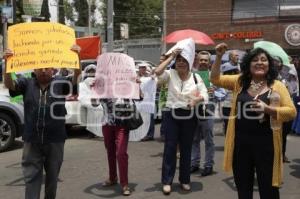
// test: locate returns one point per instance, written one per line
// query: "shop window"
(249, 9)
(289, 8)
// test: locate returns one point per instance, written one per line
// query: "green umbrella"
(274, 50)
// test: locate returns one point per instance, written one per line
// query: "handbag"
(128, 115)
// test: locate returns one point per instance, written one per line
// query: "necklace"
(256, 86)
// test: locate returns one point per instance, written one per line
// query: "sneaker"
(185, 187)
(126, 191)
(207, 171)
(166, 189)
(194, 169)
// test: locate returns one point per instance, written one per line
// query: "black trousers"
(37, 157)
(254, 153)
(286, 129)
(225, 115)
(179, 130)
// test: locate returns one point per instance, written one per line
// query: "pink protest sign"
(116, 77)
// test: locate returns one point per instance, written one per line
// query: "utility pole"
(164, 48)
(89, 16)
(110, 26)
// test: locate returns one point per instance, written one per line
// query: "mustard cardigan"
(285, 112)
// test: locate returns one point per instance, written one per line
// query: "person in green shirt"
(204, 128)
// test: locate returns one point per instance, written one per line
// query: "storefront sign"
(237, 35)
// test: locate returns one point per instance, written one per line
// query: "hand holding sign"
(41, 45)
(116, 77)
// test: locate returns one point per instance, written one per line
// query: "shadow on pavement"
(18, 144)
(107, 192)
(296, 168)
(196, 186)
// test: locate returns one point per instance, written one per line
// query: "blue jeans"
(204, 131)
(151, 129)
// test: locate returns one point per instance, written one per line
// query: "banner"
(116, 77)
(90, 47)
(41, 45)
(32, 7)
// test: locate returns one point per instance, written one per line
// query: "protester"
(283, 76)
(253, 140)
(233, 62)
(147, 106)
(229, 68)
(116, 136)
(205, 126)
(44, 133)
(163, 93)
(181, 122)
(93, 114)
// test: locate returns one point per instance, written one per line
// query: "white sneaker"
(186, 187)
(167, 189)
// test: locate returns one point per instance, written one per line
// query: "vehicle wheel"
(7, 131)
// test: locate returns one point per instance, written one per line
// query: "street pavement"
(85, 167)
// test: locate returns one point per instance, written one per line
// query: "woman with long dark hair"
(254, 135)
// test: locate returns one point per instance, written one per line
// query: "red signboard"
(237, 35)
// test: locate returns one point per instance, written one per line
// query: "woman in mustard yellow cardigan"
(253, 138)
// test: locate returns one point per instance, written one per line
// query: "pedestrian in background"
(205, 126)
(229, 68)
(44, 133)
(181, 122)
(254, 135)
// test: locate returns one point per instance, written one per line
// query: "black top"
(44, 110)
(249, 121)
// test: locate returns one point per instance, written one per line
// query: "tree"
(81, 7)
(45, 10)
(143, 17)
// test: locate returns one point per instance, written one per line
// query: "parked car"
(11, 120)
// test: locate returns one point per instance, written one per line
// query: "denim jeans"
(204, 131)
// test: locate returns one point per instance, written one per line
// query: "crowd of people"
(255, 96)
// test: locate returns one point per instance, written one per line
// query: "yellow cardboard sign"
(41, 45)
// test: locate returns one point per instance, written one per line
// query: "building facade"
(239, 23)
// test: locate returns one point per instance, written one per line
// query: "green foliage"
(61, 12)
(45, 10)
(143, 17)
(81, 6)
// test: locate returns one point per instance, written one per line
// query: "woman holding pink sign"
(116, 69)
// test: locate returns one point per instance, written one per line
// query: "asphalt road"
(85, 167)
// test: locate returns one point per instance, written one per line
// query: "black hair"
(246, 76)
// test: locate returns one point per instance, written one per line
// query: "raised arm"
(215, 69)
(8, 81)
(161, 68)
(77, 72)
